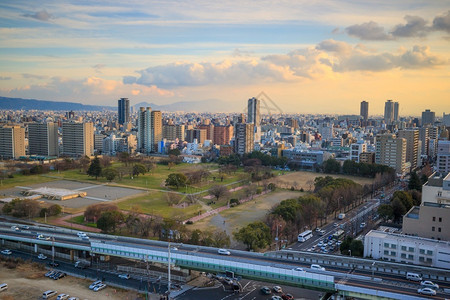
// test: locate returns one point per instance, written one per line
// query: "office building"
(407, 249)
(412, 145)
(396, 111)
(223, 134)
(326, 130)
(98, 142)
(156, 127)
(391, 151)
(367, 157)
(356, 150)
(196, 134)
(364, 110)
(43, 139)
(173, 132)
(254, 116)
(389, 112)
(124, 110)
(244, 138)
(428, 117)
(443, 157)
(424, 140)
(145, 133)
(12, 142)
(78, 139)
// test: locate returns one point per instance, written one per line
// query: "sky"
(308, 56)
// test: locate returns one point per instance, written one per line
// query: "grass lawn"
(19, 180)
(80, 220)
(155, 204)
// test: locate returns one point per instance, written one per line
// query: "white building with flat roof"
(407, 249)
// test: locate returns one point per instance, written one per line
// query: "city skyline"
(320, 57)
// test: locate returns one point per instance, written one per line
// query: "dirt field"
(302, 179)
(25, 282)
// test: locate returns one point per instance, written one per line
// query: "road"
(395, 284)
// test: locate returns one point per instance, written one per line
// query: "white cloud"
(368, 31)
(415, 26)
(42, 15)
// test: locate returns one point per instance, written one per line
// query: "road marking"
(248, 294)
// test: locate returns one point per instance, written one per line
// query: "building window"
(440, 219)
(422, 251)
(421, 258)
(403, 248)
(393, 246)
(386, 252)
(429, 260)
(386, 245)
(403, 255)
(434, 219)
(411, 249)
(410, 256)
(432, 228)
(439, 229)
(430, 252)
(393, 253)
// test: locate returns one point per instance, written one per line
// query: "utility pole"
(168, 274)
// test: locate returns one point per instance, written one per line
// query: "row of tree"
(350, 167)
(264, 159)
(28, 208)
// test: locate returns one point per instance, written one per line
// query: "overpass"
(246, 264)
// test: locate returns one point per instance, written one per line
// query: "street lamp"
(350, 251)
(276, 238)
(373, 270)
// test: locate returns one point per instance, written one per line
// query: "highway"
(342, 275)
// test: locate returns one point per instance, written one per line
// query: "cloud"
(442, 22)
(368, 31)
(33, 76)
(98, 68)
(5, 78)
(42, 15)
(415, 26)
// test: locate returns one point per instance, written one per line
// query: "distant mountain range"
(188, 106)
(29, 104)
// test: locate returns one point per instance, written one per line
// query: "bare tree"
(218, 191)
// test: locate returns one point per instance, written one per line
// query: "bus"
(302, 237)
(338, 234)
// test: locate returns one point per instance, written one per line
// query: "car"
(320, 244)
(59, 275)
(317, 267)
(94, 284)
(287, 297)
(6, 252)
(265, 290)
(224, 252)
(298, 269)
(42, 256)
(336, 225)
(15, 228)
(62, 297)
(277, 289)
(275, 297)
(124, 276)
(53, 264)
(338, 243)
(42, 237)
(324, 251)
(49, 273)
(25, 227)
(99, 287)
(73, 298)
(81, 234)
(55, 275)
(430, 284)
(427, 291)
(318, 229)
(173, 248)
(228, 281)
(321, 232)
(362, 225)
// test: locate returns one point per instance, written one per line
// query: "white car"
(73, 298)
(427, 291)
(276, 298)
(42, 256)
(277, 289)
(317, 267)
(362, 225)
(15, 228)
(6, 252)
(81, 234)
(320, 244)
(124, 276)
(94, 284)
(430, 284)
(99, 287)
(62, 297)
(224, 252)
(298, 269)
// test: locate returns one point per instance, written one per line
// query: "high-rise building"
(424, 140)
(443, 157)
(428, 117)
(389, 112)
(124, 110)
(254, 116)
(78, 139)
(43, 139)
(209, 130)
(223, 134)
(145, 139)
(356, 149)
(244, 138)
(412, 145)
(391, 151)
(396, 111)
(173, 132)
(156, 127)
(12, 142)
(364, 110)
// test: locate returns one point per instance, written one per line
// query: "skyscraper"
(391, 151)
(124, 110)
(43, 139)
(156, 127)
(254, 116)
(244, 138)
(389, 112)
(428, 117)
(396, 110)
(12, 142)
(364, 110)
(78, 139)
(144, 130)
(412, 145)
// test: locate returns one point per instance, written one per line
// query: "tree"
(139, 169)
(110, 174)
(414, 182)
(93, 212)
(352, 246)
(124, 157)
(176, 179)
(331, 166)
(109, 220)
(398, 209)
(405, 198)
(54, 210)
(95, 168)
(386, 212)
(218, 191)
(175, 152)
(255, 235)
(84, 163)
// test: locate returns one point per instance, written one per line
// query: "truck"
(341, 216)
(82, 264)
